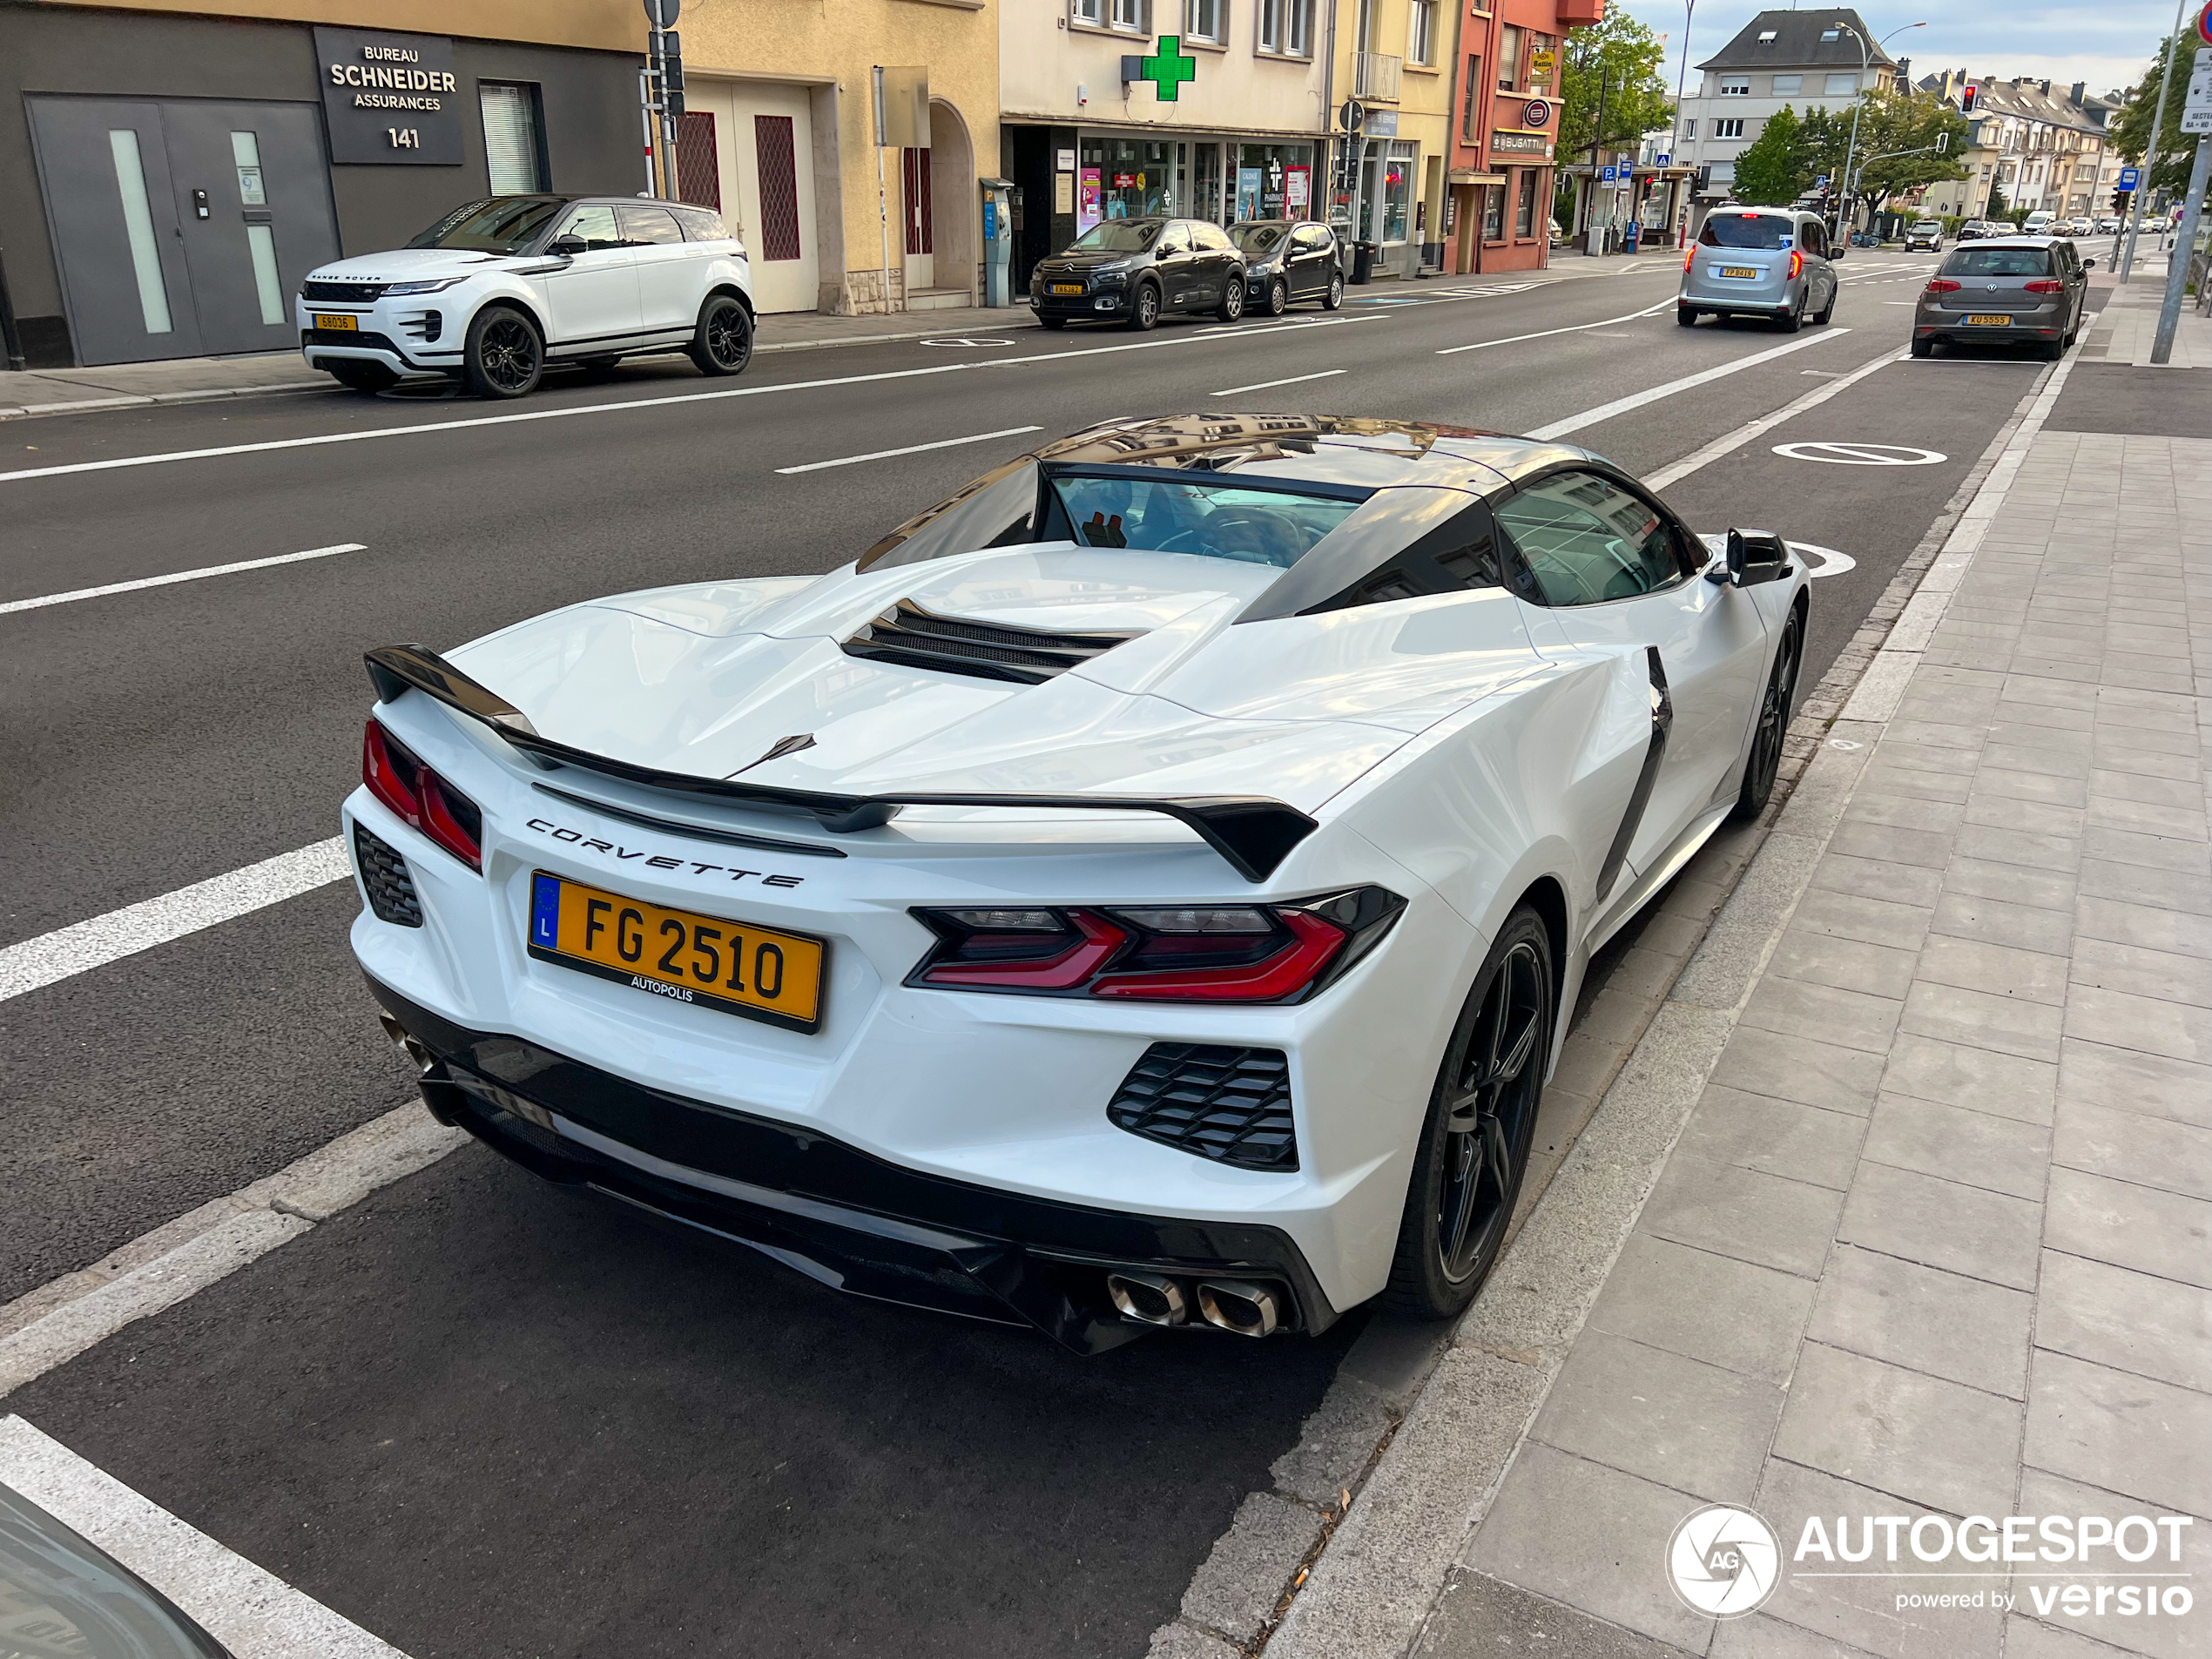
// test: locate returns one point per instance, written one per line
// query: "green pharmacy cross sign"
(1167, 69)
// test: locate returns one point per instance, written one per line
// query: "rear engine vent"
(919, 638)
(391, 889)
(1230, 1104)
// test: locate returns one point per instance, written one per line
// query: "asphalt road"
(478, 1418)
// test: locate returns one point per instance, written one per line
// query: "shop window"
(1494, 212)
(514, 154)
(1207, 20)
(1274, 180)
(1397, 192)
(1471, 106)
(1420, 32)
(1524, 211)
(1508, 58)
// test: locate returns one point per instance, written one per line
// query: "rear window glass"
(1748, 230)
(1179, 513)
(1998, 262)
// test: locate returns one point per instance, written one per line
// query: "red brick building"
(1505, 129)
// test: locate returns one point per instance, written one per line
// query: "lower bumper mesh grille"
(1230, 1104)
(384, 873)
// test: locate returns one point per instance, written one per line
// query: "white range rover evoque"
(498, 289)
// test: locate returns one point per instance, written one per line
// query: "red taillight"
(1691, 257)
(1182, 953)
(2044, 285)
(427, 801)
(1940, 285)
(1796, 264)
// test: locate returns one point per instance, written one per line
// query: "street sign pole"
(2177, 264)
(2150, 156)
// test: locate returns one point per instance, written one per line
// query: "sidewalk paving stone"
(1964, 1330)
(1729, 1314)
(1926, 1440)
(2147, 1439)
(1675, 1421)
(1944, 1223)
(2130, 1321)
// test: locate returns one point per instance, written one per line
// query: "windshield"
(1257, 238)
(1998, 262)
(1927, 224)
(1117, 236)
(1179, 513)
(1748, 230)
(504, 224)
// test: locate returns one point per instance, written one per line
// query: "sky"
(2105, 42)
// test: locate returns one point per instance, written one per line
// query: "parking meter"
(998, 241)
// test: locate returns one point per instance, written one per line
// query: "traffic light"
(2120, 201)
(1966, 98)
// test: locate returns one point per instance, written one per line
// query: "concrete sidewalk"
(189, 379)
(2129, 323)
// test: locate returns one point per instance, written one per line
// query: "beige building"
(2046, 152)
(780, 133)
(1396, 58)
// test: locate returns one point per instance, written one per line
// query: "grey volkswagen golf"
(1771, 262)
(2012, 290)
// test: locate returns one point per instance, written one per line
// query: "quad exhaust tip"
(418, 1057)
(1237, 1306)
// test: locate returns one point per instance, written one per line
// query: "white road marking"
(1542, 334)
(1654, 394)
(101, 940)
(911, 450)
(180, 576)
(1261, 386)
(247, 1608)
(1729, 442)
(1839, 454)
(1825, 561)
(571, 412)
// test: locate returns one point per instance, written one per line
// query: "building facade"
(1802, 60)
(1505, 117)
(1222, 114)
(166, 179)
(2045, 151)
(1394, 59)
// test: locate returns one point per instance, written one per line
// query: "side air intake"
(920, 639)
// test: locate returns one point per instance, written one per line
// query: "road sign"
(1608, 174)
(1665, 160)
(2204, 24)
(2128, 177)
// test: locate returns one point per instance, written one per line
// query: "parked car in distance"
(2038, 224)
(2016, 290)
(1288, 262)
(2110, 225)
(1973, 229)
(1136, 271)
(498, 289)
(1758, 262)
(1928, 233)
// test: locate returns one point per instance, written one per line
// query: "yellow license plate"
(336, 319)
(709, 960)
(1990, 322)
(1739, 270)
(1067, 288)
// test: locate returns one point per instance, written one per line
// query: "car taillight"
(1796, 264)
(427, 801)
(1940, 285)
(1691, 257)
(1157, 953)
(2045, 285)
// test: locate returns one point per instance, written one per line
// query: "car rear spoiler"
(1253, 833)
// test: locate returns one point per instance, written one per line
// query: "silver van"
(1758, 262)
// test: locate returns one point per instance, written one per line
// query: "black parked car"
(1287, 261)
(1136, 271)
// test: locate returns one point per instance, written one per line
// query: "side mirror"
(2089, 265)
(568, 246)
(1753, 557)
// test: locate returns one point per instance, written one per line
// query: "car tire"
(1480, 1123)
(1232, 300)
(1686, 315)
(1828, 310)
(722, 344)
(362, 377)
(505, 355)
(1144, 307)
(1278, 297)
(1763, 759)
(1333, 300)
(1052, 322)
(1924, 348)
(1796, 319)
(2051, 351)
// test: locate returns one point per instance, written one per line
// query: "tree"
(1773, 171)
(1624, 58)
(2170, 171)
(1999, 207)
(1888, 122)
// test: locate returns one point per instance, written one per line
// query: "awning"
(1468, 176)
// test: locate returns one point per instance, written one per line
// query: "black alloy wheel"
(504, 357)
(722, 344)
(1765, 759)
(1232, 299)
(1278, 297)
(1145, 306)
(1333, 300)
(1481, 1122)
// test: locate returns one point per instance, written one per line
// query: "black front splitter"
(841, 1216)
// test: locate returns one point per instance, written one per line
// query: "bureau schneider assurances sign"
(390, 98)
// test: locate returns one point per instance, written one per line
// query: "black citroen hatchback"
(1136, 271)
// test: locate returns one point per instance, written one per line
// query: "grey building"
(1801, 60)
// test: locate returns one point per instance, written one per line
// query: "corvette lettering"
(655, 860)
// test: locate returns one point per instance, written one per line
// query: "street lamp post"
(1682, 81)
(1866, 59)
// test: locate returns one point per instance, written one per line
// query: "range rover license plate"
(337, 320)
